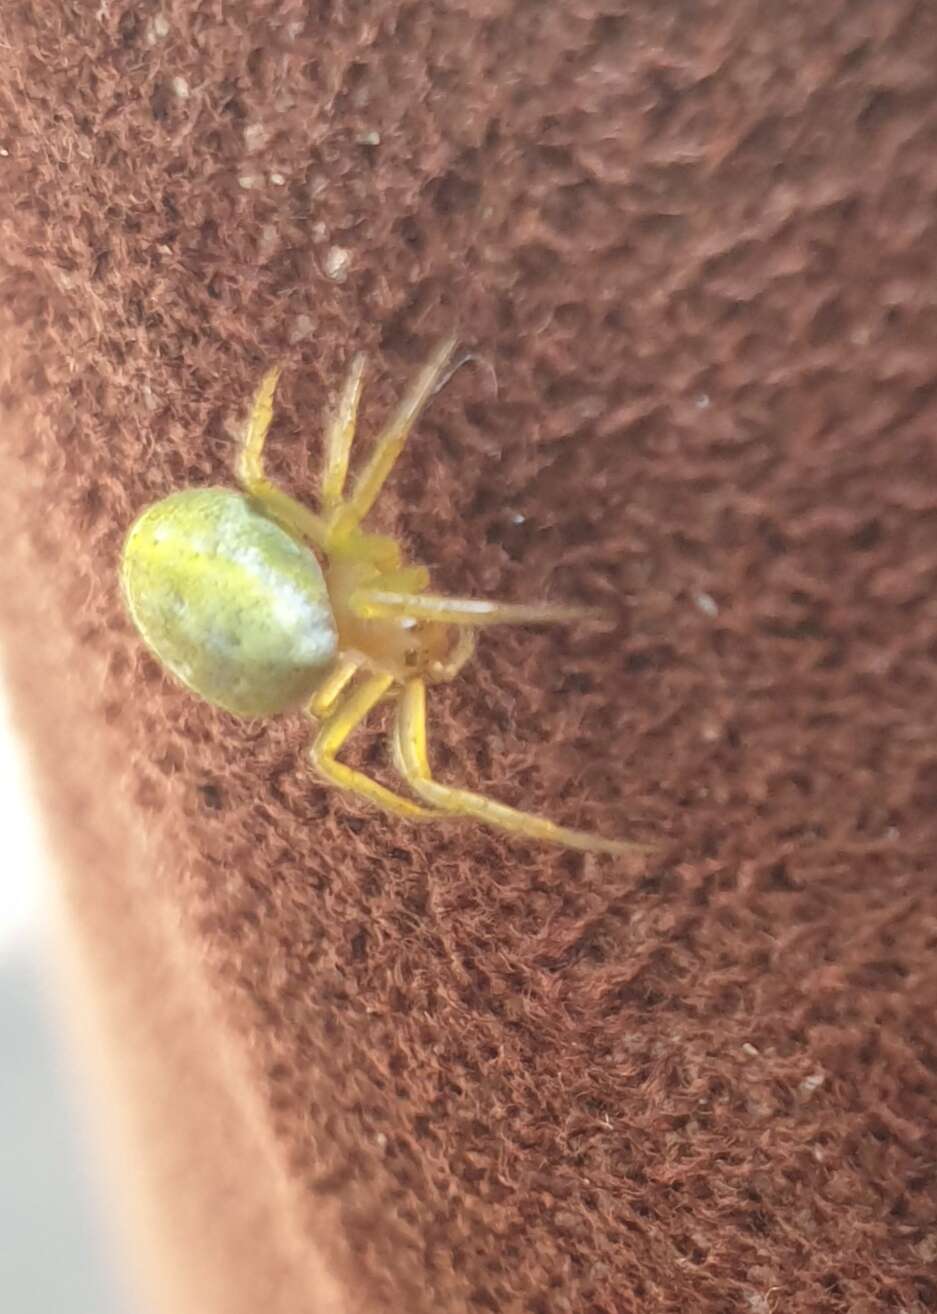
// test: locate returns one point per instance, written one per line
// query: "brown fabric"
(698, 244)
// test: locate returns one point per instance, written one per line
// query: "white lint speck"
(157, 29)
(336, 263)
(302, 328)
(255, 136)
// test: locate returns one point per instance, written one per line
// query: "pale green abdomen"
(229, 603)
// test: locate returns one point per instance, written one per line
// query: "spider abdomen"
(229, 602)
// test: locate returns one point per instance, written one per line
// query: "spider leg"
(388, 604)
(413, 764)
(285, 510)
(339, 436)
(461, 652)
(334, 684)
(335, 729)
(390, 441)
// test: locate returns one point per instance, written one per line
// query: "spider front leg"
(386, 603)
(335, 729)
(340, 435)
(390, 442)
(413, 763)
(285, 510)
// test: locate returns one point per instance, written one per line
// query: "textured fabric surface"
(697, 245)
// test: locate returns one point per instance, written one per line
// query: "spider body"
(260, 605)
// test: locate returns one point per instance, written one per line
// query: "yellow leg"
(339, 436)
(334, 684)
(386, 604)
(285, 510)
(250, 457)
(413, 764)
(346, 717)
(390, 442)
(461, 652)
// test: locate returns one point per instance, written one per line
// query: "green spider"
(260, 605)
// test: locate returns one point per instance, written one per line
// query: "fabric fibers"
(374, 1067)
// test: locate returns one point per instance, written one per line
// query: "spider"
(260, 605)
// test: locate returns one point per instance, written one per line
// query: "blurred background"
(56, 1251)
